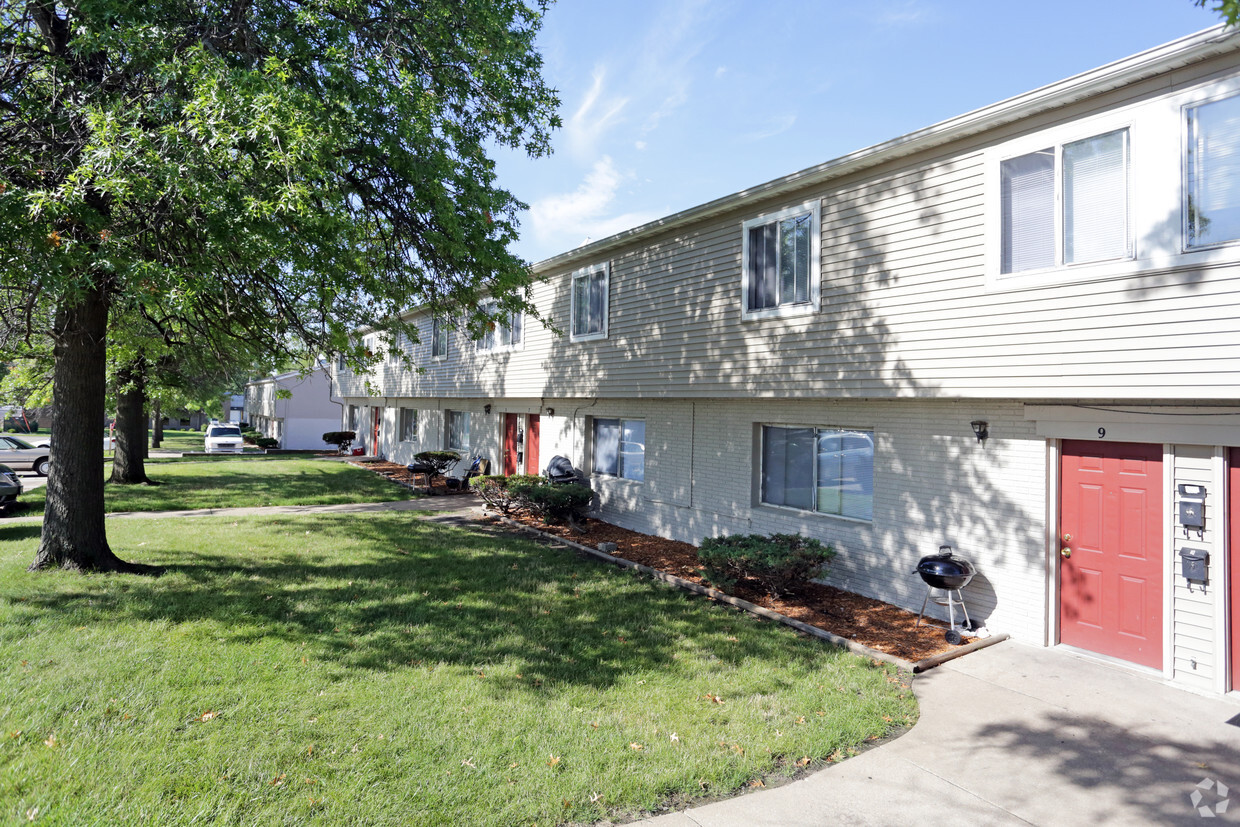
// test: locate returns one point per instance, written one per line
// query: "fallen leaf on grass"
(803, 762)
(207, 716)
(674, 737)
(555, 759)
(278, 780)
(636, 746)
(714, 699)
(757, 782)
(51, 741)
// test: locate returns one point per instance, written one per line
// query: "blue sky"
(670, 104)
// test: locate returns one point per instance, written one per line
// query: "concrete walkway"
(1017, 734)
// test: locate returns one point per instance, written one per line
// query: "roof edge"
(1183, 51)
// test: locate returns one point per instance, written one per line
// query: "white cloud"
(563, 220)
(639, 145)
(597, 114)
(773, 127)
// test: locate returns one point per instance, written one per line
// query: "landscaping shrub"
(556, 504)
(495, 492)
(266, 442)
(778, 562)
(340, 439)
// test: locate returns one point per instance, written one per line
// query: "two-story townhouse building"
(1016, 332)
(294, 408)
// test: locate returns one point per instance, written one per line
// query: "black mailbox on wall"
(1193, 563)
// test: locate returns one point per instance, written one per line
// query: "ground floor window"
(352, 419)
(620, 448)
(408, 425)
(826, 470)
(458, 431)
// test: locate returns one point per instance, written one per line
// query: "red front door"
(1111, 550)
(512, 443)
(1233, 504)
(531, 446)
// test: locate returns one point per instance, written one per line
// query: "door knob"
(1065, 552)
(1067, 538)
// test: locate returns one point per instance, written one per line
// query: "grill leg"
(924, 601)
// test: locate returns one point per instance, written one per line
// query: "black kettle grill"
(948, 573)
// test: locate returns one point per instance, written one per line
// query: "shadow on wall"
(675, 330)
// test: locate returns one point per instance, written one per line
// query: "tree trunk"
(127, 461)
(73, 528)
(157, 427)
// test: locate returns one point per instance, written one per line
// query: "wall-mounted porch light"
(486, 408)
(550, 411)
(981, 428)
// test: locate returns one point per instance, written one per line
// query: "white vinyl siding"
(589, 301)
(1093, 224)
(1213, 171)
(457, 437)
(826, 470)
(781, 263)
(408, 425)
(620, 448)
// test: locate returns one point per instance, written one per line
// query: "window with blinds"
(589, 304)
(1066, 204)
(826, 470)
(1213, 173)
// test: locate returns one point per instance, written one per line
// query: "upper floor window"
(504, 332)
(1066, 204)
(1213, 173)
(781, 266)
(439, 340)
(827, 470)
(620, 448)
(408, 425)
(589, 303)
(457, 437)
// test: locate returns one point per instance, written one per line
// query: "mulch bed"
(400, 473)
(865, 620)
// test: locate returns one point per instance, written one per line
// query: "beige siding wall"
(933, 484)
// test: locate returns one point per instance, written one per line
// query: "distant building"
(298, 420)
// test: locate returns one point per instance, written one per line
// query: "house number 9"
(1102, 432)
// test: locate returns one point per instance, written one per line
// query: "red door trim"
(510, 444)
(531, 445)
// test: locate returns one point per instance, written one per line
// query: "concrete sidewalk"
(1017, 734)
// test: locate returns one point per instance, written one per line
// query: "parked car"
(10, 487)
(223, 439)
(19, 454)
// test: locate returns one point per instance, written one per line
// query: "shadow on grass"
(423, 595)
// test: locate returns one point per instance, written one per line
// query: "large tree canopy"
(268, 170)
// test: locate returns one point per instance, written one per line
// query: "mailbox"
(1193, 563)
(1192, 514)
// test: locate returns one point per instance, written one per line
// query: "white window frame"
(587, 273)
(412, 413)
(620, 421)
(814, 208)
(449, 431)
(503, 322)
(1060, 199)
(1221, 93)
(439, 336)
(760, 434)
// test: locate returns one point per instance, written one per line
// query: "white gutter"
(1185, 51)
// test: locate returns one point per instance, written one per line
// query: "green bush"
(556, 504)
(493, 490)
(266, 442)
(779, 562)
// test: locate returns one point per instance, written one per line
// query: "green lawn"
(376, 669)
(241, 482)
